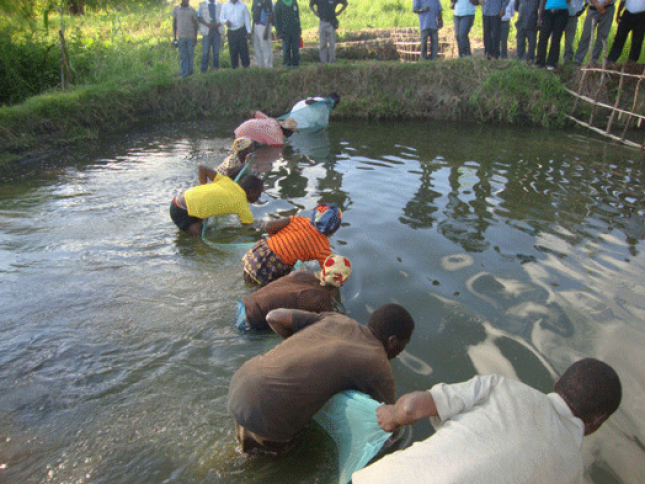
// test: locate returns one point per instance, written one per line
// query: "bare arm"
(274, 226)
(407, 410)
(285, 322)
(344, 6)
(204, 174)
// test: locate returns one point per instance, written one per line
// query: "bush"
(26, 69)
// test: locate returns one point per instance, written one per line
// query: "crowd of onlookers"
(233, 19)
(540, 26)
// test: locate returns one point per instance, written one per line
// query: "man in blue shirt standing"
(576, 8)
(492, 13)
(207, 15)
(430, 21)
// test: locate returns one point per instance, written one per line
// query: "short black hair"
(391, 320)
(251, 184)
(334, 96)
(590, 387)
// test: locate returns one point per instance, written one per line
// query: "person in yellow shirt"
(221, 197)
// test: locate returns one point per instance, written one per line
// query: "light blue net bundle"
(350, 420)
(311, 117)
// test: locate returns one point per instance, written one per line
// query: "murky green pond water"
(516, 251)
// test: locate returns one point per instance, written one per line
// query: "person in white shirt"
(235, 15)
(632, 20)
(494, 430)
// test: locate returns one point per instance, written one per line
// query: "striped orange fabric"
(300, 241)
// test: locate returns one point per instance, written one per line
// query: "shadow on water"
(517, 251)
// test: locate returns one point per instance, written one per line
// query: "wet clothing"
(261, 265)
(299, 290)
(490, 430)
(261, 129)
(274, 395)
(274, 257)
(299, 241)
(221, 197)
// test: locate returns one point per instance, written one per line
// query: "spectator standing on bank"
(463, 20)
(262, 13)
(492, 13)
(632, 20)
(527, 28)
(326, 11)
(553, 16)
(600, 14)
(184, 31)
(236, 17)
(287, 28)
(208, 15)
(430, 21)
(576, 8)
(505, 29)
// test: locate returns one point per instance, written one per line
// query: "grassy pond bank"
(465, 90)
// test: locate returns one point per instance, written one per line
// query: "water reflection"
(516, 251)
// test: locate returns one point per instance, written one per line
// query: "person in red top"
(290, 240)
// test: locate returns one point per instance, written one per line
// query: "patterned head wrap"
(241, 144)
(335, 271)
(326, 218)
(289, 123)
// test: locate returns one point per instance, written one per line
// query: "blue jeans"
(433, 35)
(186, 47)
(463, 24)
(210, 42)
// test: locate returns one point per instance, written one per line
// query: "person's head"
(393, 326)
(242, 147)
(185, 3)
(253, 187)
(288, 125)
(326, 218)
(592, 390)
(335, 271)
(335, 98)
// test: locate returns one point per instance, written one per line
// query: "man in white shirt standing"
(236, 17)
(207, 15)
(494, 430)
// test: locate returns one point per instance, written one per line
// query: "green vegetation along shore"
(124, 74)
(470, 90)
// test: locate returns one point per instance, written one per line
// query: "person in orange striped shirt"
(290, 240)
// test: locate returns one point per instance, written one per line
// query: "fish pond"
(517, 251)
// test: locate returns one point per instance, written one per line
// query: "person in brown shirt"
(301, 289)
(273, 396)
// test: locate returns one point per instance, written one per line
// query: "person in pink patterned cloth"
(266, 130)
